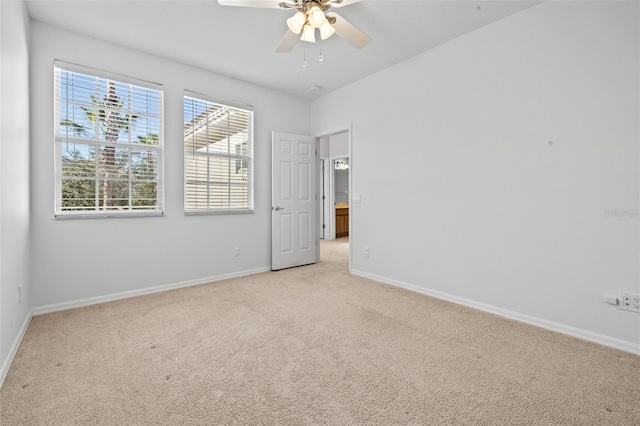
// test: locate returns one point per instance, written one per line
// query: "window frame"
(232, 157)
(60, 140)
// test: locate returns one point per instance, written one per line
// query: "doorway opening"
(334, 179)
(341, 197)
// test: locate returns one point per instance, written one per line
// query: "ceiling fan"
(311, 14)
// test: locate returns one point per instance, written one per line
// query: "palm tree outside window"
(109, 145)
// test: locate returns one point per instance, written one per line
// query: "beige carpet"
(309, 345)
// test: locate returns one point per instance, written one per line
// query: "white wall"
(339, 145)
(80, 259)
(341, 186)
(324, 147)
(14, 178)
(495, 156)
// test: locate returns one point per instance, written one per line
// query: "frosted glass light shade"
(296, 22)
(326, 30)
(308, 34)
(316, 17)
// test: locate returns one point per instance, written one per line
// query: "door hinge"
(323, 226)
(323, 197)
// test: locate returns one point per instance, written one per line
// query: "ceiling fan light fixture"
(296, 22)
(326, 30)
(316, 17)
(308, 34)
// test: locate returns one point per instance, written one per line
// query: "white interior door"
(293, 210)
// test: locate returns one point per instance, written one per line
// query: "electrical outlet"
(367, 252)
(20, 294)
(629, 301)
(236, 251)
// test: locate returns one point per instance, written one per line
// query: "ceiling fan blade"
(349, 32)
(288, 41)
(342, 3)
(268, 4)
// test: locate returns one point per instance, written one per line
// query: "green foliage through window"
(108, 145)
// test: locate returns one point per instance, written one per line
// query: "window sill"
(217, 212)
(107, 215)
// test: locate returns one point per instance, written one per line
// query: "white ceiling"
(240, 42)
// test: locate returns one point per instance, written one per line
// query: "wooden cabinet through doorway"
(342, 220)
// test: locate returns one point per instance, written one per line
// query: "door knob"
(276, 208)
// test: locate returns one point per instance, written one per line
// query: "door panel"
(304, 181)
(294, 236)
(286, 241)
(305, 232)
(286, 180)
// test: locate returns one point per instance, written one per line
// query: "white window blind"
(109, 145)
(218, 157)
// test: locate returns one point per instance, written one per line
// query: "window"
(109, 144)
(218, 157)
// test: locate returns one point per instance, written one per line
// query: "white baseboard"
(14, 348)
(602, 339)
(148, 290)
